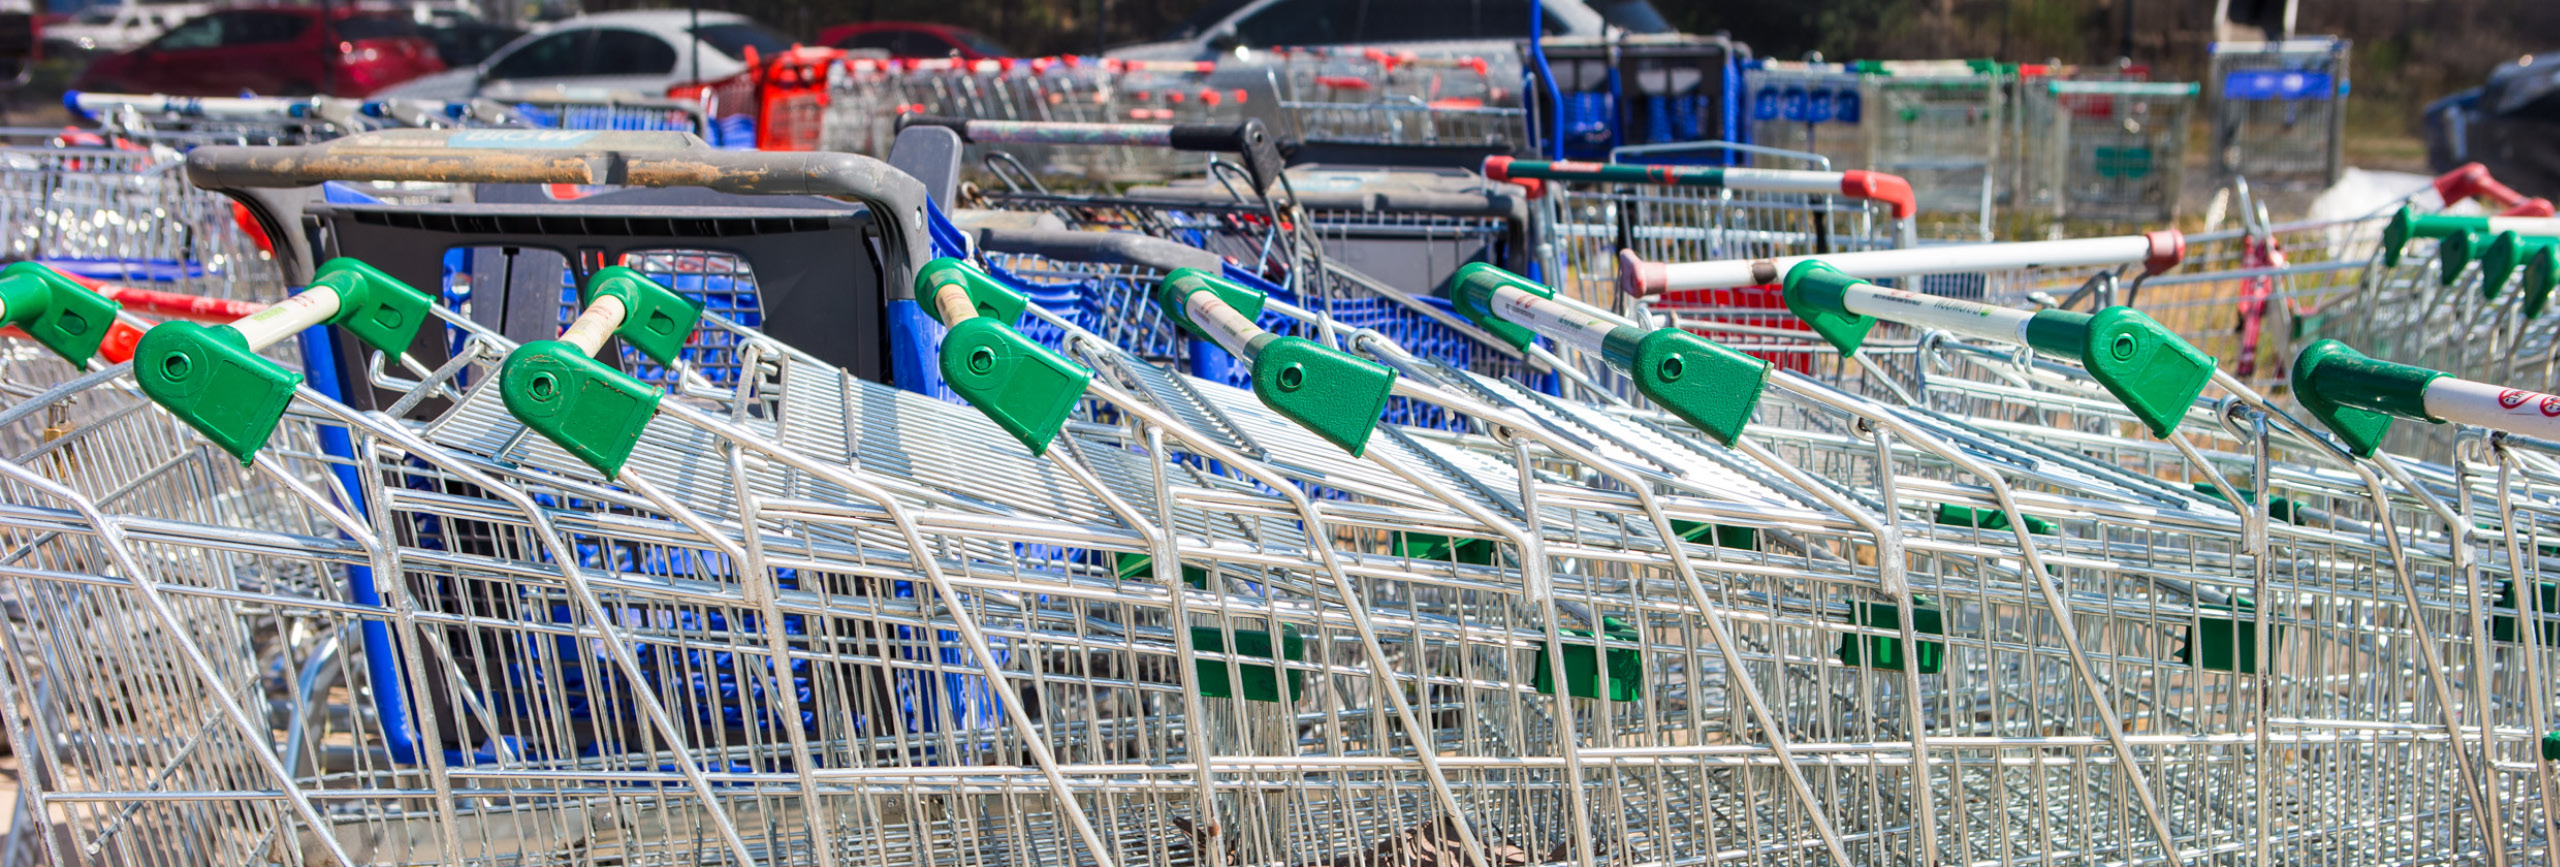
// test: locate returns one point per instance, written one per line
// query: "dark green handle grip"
(2357, 396)
(57, 311)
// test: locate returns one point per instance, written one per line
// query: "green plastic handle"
(1817, 293)
(2150, 369)
(2357, 396)
(2407, 225)
(655, 319)
(207, 377)
(2541, 269)
(991, 299)
(2505, 254)
(1325, 390)
(57, 311)
(2456, 252)
(210, 378)
(1471, 292)
(578, 403)
(376, 307)
(1705, 383)
(1025, 388)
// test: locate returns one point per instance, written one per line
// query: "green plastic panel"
(1261, 682)
(208, 378)
(1952, 515)
(1141, 567)
(1884, 652)
(1582, 665)
(2546, 611)
(592, 411)
(2226, 643)
(1719, 535)
(2279, 508)
(1427, 546)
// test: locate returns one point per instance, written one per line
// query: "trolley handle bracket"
(2357, 396)
(1332, 393)
(2147, 367)
(587, 407)
(1025, 388)
(56, 310)
(1705, 383)
(213, 378)
(1247, 139)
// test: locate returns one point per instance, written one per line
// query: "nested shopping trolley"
(2279, 109)
(1116, 613)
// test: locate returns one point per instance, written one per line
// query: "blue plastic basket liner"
(605, 117)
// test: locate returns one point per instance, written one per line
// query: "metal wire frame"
(127, 216)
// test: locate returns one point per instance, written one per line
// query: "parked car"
(642, 52)
(2510, 123)
(112, 27)
(912, 39)
(272, 50)
(1478, 28)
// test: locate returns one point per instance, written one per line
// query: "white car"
(108, 28)
(614, 53)
(1461, 28)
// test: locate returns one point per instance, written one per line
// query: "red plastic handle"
(1883, 188)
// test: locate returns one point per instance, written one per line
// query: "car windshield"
(375, 27)
(1636, 16)
(983, 45)
(98, 15)
(1216, 11)
(734, 39)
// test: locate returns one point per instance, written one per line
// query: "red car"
(272, 51)
(912, 39)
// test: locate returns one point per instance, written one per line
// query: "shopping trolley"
(2280, 108)
(1601, 214)
(2112, 151)
(1802, 107)
(123, 212)
(1942, 126)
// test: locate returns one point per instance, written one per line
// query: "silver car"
(1489, 29)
